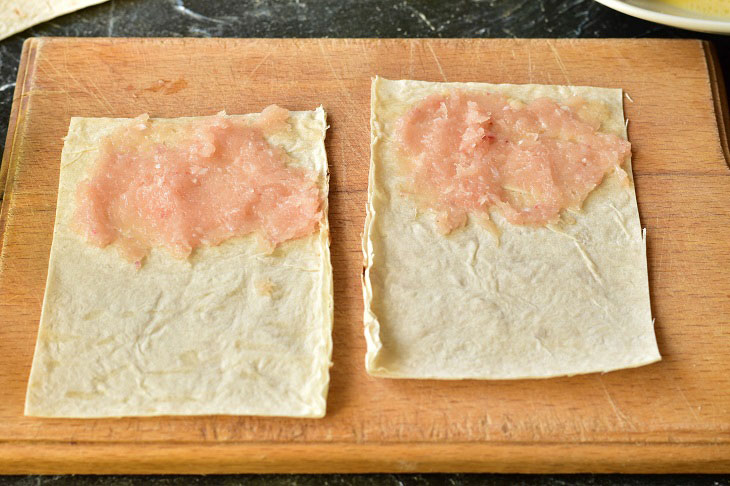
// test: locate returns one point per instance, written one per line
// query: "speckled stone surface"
(344, 18)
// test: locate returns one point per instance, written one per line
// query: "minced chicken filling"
(464, 153)
(214, 178)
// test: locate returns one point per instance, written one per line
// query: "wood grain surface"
(668, 417)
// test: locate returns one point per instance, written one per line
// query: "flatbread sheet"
(558, 300)
(232, 330)
(18, 15)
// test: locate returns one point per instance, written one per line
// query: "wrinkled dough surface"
(231, 330)
(557, 300)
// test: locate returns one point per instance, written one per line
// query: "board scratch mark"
(344, 165)
(410, 60)
(100, 96)
(616, 410)
(84, 88)
(689, 407)
(55, 70)
(340, 84)
(346, 92)
(257, 66)
(529, 66)
(438, 63)
(327, 60)
(559, 60)
(145, 59)
(349, 145)
(659, 244)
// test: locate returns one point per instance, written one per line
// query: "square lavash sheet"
(565, 300)
(231, 330)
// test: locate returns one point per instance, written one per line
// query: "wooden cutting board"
(670, 416)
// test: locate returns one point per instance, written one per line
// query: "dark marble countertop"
(345, 18)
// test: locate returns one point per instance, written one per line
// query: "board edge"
(719, 97)
(18, 109)
(89, 458)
